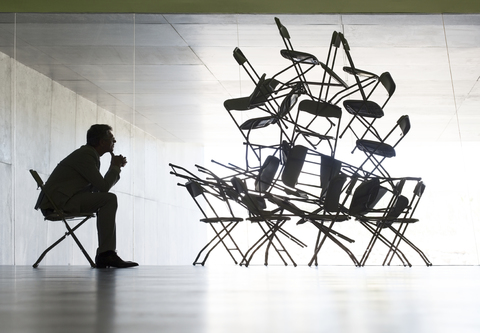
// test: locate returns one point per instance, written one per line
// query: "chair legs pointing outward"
(58, 215)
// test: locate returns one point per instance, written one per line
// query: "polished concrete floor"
(238, 299)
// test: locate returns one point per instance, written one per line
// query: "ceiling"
(170, 74)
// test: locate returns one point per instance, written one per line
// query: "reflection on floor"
(238, 299)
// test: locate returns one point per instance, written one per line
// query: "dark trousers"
(104, 204)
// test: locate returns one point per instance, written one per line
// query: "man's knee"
(111, 199)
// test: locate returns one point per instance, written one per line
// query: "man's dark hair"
(96, 133)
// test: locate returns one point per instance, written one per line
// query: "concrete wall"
(40, 123)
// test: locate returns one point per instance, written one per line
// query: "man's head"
(101, 138)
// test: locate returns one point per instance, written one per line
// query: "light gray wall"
(41, 122)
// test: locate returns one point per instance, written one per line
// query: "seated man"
(76, 185)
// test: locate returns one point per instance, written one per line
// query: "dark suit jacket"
(78, 172)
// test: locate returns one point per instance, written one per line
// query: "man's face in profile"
(107, 144)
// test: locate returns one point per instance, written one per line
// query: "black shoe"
(111, 259)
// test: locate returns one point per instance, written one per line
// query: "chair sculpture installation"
(293, 131)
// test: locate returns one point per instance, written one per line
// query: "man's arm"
(86, 166)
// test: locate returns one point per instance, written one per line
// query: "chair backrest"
(346, 48)
(364, 197)
(194, 188)
(37, 178)
(290, 100)
(281, 28)
(263, 90)
(267, 173)
(58, 213)
(212, 194)
(239, 56)
(329, 168)
(417, 195)
(419, 189)
(397, 208)
(39, 182)
(254, 203)
(332, 196)
(387, 81)
(294, 165)
(404, 124)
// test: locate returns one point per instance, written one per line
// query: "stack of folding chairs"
(297, 177)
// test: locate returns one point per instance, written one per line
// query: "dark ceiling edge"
(243, 7)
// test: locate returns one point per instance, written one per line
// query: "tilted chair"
(301, 62)
(280, 117)
(378, 150)
(364, 200)
(246, 65)
(324, 117)
(399, 212)
(261, 100)
(330, 211)
(57, 214)
(208, 195)
(363, 78)
(366, 111)
(271, 221)
(318, 195)
(404, 222)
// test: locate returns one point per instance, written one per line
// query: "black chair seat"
(221, 219)
(55, 217)
(376, 148)
(301, 57)
(367, 109)
(321, 109)
(256, 123)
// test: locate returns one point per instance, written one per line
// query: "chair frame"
(60, 215)
(200, 187)
(375, 224)
(403, 123)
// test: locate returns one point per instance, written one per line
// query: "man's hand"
(118, 160)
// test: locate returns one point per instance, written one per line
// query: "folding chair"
(279, 116)
(329, 73)
(273, 220)
(208, 196)
(328, 116)
(302, 62)
(246, 65)
(309, 189)
(261, 100)
(404, 223)
(381, 149)
(366, 193)
(330, 210)
(267, 174)
(57, 214)
(332, 79)
(302, 173)
(262, 93)
(242, 60)
(366, 110)
(399, 211)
